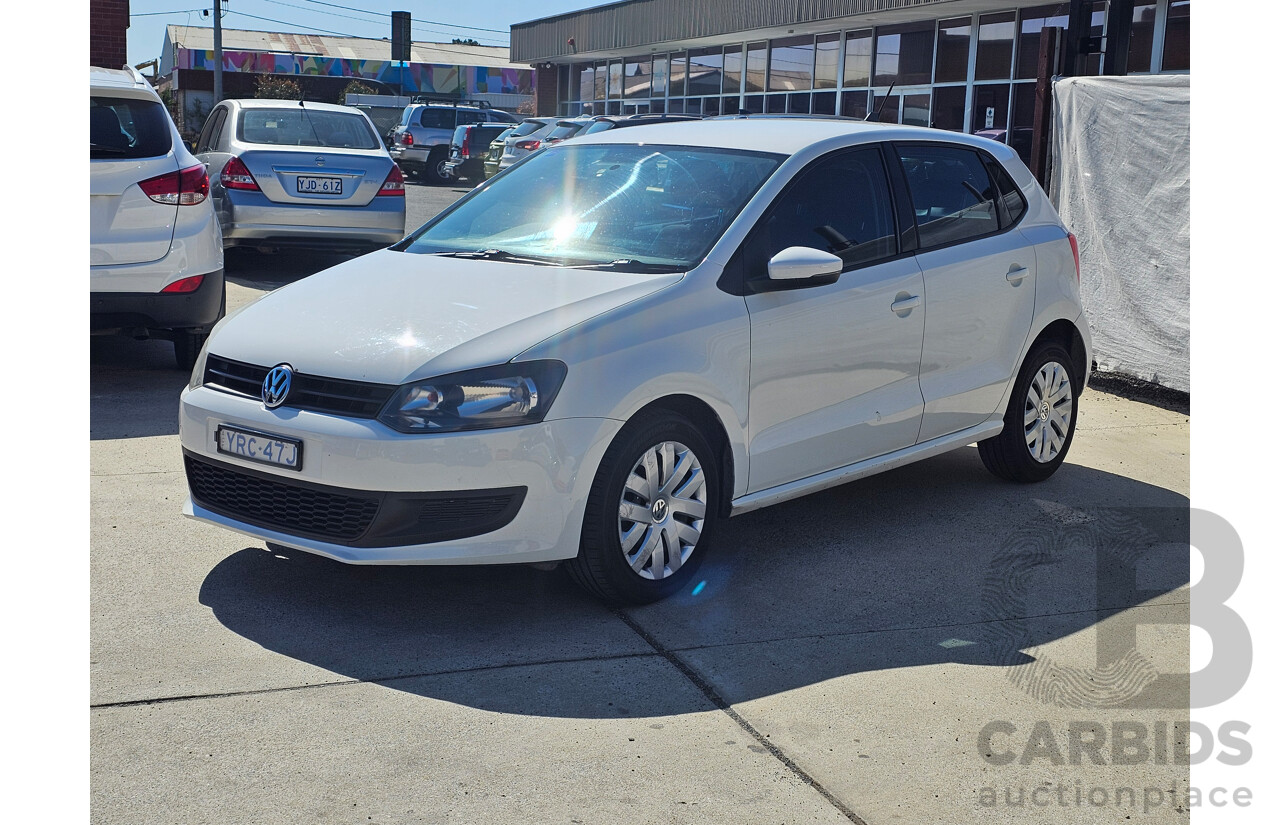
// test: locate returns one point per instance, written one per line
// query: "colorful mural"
(418, 77)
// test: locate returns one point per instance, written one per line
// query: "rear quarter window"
(125, 128)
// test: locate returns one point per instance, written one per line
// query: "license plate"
(319, 186)
(261, 447)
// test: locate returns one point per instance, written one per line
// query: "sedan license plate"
(261, 447)
(319, 186)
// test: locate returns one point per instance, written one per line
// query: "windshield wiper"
(115, 150)
(632, 265)
(500, 255)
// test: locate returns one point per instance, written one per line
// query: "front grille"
(349, 517)
(306, 510)
(353, 399)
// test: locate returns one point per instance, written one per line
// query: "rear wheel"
(1040, 421)
(651, 512)
(437, 171)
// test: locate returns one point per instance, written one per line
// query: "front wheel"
(186, 347)
(1040, 420)
(651, 512)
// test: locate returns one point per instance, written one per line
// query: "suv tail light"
(186, 187)
(394, 184)
(464, 151)
(1075, 251)
(528, 144)
(185, 284)
(235, 175)
(406, 139)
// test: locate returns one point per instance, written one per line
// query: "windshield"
(299, 126)
(642, 207)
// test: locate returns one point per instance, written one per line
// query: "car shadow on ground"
(931, 563)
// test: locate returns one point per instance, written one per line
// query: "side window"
(1012, 204)
(840, 205)
(206, 134)
(215, 139)
(436, 118)
(953, 196)
(465, 117)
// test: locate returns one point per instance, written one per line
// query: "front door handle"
(1016, 274)
(905, 304)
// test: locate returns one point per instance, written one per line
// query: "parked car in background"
(290, 174)
(604, 123)
(155, 249)
(660, 328)
(527, 138)
(494, 157)
(421, 140)
(565, 129)
(469, 149)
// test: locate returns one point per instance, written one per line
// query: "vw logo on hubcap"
(1044, 411)
(275, 387)
(660, 509)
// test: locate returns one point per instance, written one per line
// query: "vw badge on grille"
(275, 387)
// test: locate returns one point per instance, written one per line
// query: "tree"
(355, 87)
(277, 87)
(466, 42)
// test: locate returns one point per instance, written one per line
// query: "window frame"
(986, 159)
(737, 280)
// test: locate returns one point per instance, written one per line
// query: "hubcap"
(664, 503)
(1048, 411)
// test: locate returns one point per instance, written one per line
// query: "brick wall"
(108, 22)
(544, 91)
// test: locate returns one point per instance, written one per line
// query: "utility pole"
(217, 51)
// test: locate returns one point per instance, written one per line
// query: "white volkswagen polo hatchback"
(602, 352)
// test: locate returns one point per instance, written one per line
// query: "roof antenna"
(883, 100)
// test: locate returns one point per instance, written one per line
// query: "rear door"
(130, 141)
(980, 285)
(312, 157)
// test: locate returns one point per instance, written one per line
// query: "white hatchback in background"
(601, 353)
(155, 249)
(526, 139)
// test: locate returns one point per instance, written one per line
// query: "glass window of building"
(757, 61)
(637, 78)
(584, 81)
(660, 76)
(1033, 21)
(854, 104)
(679, 62)
(705, 68)
(904, 54)
(826, 61)
(791, 64)
(995, 46)
(990, 107)
(602, 80)
(1177, 37)
(732, 69)
(953, 50)
(915, 109)
(885, 109)
(1142, 37)
(824, 103)
(615, 79)
(857, 59)
(948, 108)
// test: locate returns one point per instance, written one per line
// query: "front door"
(834, 368)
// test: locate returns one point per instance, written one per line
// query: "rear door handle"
(1016, 274)
(905, 304)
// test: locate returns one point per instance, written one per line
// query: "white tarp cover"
(1121, 180)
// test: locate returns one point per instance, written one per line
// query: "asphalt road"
(838, 660)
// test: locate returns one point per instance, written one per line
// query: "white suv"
(599, 354)
(155, 249)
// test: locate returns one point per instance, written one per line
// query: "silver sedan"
(285, 173)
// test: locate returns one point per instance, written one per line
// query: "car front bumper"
(443, 488)
(251, 219)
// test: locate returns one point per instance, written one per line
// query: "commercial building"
(108, 29)
(965, 65)
(324, 64)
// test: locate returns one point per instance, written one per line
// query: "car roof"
(787, 135)
(122, 80)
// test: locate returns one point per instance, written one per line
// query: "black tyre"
(1040, 421)
(652, 512)
(436, 172)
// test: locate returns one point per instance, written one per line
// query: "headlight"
(197, 372)
(503, 396)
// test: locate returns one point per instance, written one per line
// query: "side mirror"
(800, 263)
